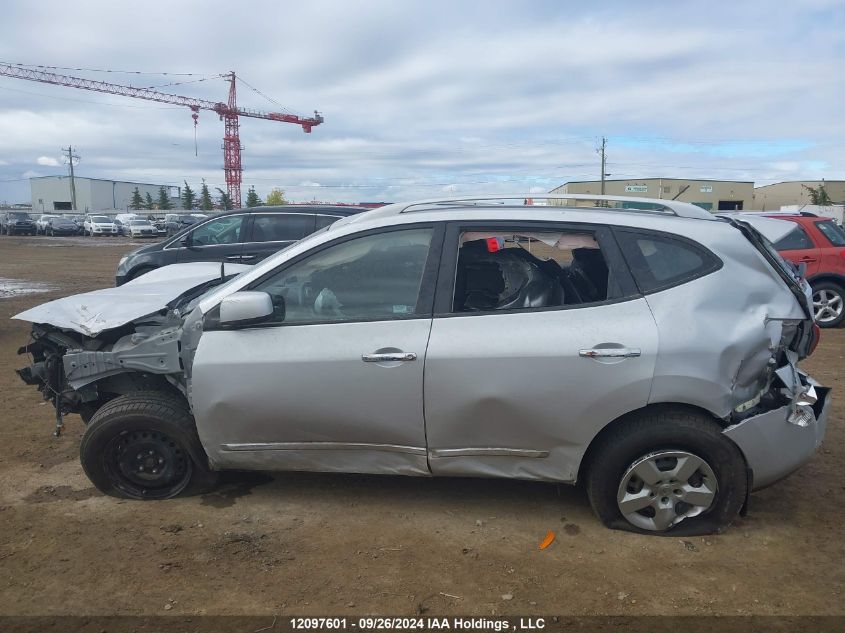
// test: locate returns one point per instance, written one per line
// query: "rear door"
(533, 352)
(831, 240)
(271, 232)
(215, 240)
(799, 248)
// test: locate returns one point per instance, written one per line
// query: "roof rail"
(649, 205)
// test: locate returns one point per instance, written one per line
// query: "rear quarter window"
(659, 261)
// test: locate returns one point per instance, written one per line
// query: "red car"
(819, 243)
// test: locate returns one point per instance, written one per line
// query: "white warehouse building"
(53, 193)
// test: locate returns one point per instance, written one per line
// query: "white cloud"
(47, 161)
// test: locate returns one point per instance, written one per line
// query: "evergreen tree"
(148, 202)
(164, 199)
(188, 197)
(252, 199)
(137, 202)
(225, 200)
(205, 198)
(276, 197)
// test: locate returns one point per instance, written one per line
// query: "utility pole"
(70, 158)
(603, 159)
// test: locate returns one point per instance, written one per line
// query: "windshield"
(19, 216)
(139, 223)
(832, 231)
(99, 218)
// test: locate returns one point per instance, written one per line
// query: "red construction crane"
(228, 112)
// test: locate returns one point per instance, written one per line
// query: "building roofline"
(126, 182)
(791, 182)
(581, 182)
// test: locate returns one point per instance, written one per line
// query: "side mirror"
(802, 270)
(245, 308)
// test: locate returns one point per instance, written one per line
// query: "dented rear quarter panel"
(718, 332)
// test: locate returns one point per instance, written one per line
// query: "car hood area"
(94, 312)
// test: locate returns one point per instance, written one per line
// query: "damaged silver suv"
(650, 352)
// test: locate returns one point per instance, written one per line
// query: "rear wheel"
(828, 304)
(667, 471)
(144, 445)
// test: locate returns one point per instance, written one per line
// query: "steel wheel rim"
(661, 489)
(146, 463)
(827, 305)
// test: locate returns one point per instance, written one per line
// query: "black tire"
(144, 445)
(831, 287)
(668, 429)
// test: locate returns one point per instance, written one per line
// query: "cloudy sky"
(426, 98)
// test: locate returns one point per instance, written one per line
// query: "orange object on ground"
(548, 540)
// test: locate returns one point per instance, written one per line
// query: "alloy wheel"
(827, 305)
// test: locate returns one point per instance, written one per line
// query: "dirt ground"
(318, 544)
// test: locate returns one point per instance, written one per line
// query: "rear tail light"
(817, 336)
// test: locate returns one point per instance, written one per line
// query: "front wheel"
(828, 304)
(671, 471)
(144, 445)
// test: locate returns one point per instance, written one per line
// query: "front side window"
(376, 277)
(524, 269)
(225, 230)
(796, 239)
(658, 261)
(281, 227)
(832, 231)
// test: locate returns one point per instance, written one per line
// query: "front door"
(542, 341)
(216, 240)
(334, 382)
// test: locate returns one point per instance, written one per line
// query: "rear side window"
(832, 231)
(281, 227)
(795, 240)
(660, 261)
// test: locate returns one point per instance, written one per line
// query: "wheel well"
(611, 426)
(839, 280)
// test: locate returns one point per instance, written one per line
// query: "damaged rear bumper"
(778, 442)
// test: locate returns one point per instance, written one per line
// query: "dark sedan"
(61, 226)
(244, 236)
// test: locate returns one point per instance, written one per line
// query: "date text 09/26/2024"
(416, 624)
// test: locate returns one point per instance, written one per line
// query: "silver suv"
(650, 352)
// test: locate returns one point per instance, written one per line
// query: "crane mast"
(228, 112)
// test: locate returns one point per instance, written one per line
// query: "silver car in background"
(649, 352)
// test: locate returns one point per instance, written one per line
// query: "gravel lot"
(318, 544)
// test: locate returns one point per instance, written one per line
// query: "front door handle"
(610, 352)
(233, 258)
(392, 356)
(248, 258)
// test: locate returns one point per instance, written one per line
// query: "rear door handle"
(247, 258)
(233, 258)
(384, 358)
(611, 352)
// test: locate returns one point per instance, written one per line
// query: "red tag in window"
(495, 244)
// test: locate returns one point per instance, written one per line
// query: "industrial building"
(713, 195)
(794, 192)
(53, 193)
